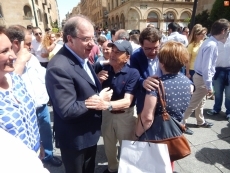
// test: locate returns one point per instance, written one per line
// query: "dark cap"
(122, 45)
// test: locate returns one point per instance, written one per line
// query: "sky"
(64, 6)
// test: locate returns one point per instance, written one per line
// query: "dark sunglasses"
(36, 34)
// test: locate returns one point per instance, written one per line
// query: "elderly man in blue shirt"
(118, 121)
(204, 71)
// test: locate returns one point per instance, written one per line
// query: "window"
(27, 11)
(39, 15)
(1, 14)
(36, 2)
(46, 18)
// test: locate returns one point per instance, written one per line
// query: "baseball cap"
(122, 45)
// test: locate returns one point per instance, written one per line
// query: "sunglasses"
(36, 34)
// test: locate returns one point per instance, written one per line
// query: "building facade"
(41, 13)
(137, 14)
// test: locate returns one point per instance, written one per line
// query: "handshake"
(101, 101)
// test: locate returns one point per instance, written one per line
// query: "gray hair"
(72, 25)
(122, 34)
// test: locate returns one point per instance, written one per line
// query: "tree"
(204, 19)
(219, 11)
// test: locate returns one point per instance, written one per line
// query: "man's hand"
(210, 92)
(150, 83)
(102, 75)
(23, 54)
(188, 75)
(96, 102)
(106, 94)
(42, 152)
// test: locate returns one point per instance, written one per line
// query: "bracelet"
(137, 136)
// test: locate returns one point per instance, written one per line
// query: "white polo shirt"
(37, 50)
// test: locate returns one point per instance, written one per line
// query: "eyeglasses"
(86, 39)
(36, 34)
(148, 50)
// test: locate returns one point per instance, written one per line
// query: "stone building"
(41, 13)
(136, 14)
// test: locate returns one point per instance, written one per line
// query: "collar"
(124, 69)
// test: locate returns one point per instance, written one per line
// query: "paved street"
(210, 148)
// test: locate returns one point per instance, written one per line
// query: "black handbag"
(167, 130)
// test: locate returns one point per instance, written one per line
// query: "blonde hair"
(46, 41)
(196, 30)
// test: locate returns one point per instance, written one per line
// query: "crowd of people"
(101, 83)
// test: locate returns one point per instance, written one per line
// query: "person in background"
(30, 29)
(74, 88)
(172, 56)
(108, 34)
(221, 79)
(17, 108)
(106, 52)
(95, 53)
(37, 48)
(47, 30)
(195, 39)
(113, 32)
(185, 31)
(204, 71)
(33, 75)
(101, 40)
(150, 25)
(118, 122)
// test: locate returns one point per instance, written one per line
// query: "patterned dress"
(18, 113)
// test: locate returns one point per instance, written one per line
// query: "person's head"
(133, 32)
(185, 31)
(17, 34)
(48, 39)
(29, 28)
(220, 27)
(7, 55)
(101, 40)
(198, 33)
(106, 50)
(113, 32)
(150, 41)
(172, 57)
(100, 30)
(37, 33)
(135, 38)
(47, 30)
(121, 52)
(150, 25)
(121, 34)
(173, 27)
(78, 34)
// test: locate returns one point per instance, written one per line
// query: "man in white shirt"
(33, 74)
(37, 49)
(175, 35)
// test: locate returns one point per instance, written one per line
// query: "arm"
(122, 103)
(188, 66)
(147, 115)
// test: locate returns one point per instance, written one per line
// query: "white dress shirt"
(176, 36)
(223, 59)
(34, 78)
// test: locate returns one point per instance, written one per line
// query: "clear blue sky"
(64, 6)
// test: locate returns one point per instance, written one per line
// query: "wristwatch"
(110, 107)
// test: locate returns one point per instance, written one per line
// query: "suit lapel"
(97, 82)
(144, 62)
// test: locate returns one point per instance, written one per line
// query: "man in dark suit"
(145, 60)
(73, 87)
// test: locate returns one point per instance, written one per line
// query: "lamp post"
(167, 16)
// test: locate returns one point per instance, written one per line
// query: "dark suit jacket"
(68, 86)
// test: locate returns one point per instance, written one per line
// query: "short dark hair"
(113, 31)
(219, 25)
(29, 27)
(2, 29)
(151, 34)
(16, 32)
(71, 26)
(173, 26)
(47, 29)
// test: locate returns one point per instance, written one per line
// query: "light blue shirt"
(84, 64)
(154, 67)
(206, 61)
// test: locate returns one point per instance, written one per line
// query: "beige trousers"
(116, 127)
(197, 101)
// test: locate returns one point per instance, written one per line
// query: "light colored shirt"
(37, 50)
(34, 79)
(176, 36)
(154, 67)
(134, 46)
(16, 157)
(206, 61)
(84, 63)
(223, 59)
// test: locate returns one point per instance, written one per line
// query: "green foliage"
(219, 11)
(55, 30)
(204, 19)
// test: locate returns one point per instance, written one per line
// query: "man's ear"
(69, 38)
(16, 45)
